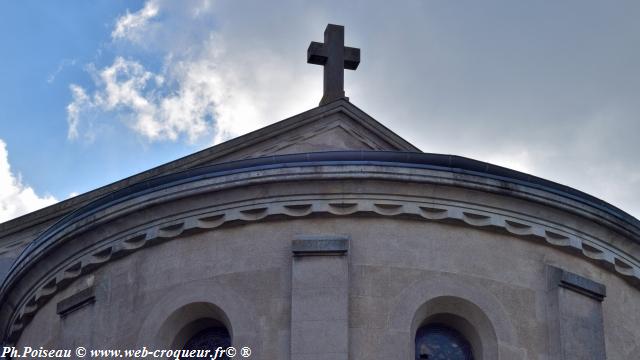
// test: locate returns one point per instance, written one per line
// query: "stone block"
(74, 302)
(320, 245)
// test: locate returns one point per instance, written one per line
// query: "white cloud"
(209, 88)
(128, 89)
(74, 108)
(16, 198)
(128, 25)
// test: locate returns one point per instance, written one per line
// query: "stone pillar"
(575, 305)
(320, 298)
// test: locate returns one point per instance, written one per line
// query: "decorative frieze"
(419, 209)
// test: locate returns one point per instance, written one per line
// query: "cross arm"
(317, 54)
(351, 58)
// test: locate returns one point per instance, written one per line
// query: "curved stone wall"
(201, 205)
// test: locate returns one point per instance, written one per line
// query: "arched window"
(440, 342)
(209, 339)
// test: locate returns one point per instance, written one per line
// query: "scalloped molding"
(421, 209)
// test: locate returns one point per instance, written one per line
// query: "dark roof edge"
(441, 162)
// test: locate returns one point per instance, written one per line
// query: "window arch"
(463, 316)
(439, 341)
(188, 326)
(210, 338)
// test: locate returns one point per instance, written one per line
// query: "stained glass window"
(209, 339)
(440, 342)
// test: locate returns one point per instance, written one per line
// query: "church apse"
(328, 236)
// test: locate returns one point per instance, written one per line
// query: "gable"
(333, 127)
(337, 131)
(328, 138)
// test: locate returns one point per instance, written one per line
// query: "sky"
(95, 91)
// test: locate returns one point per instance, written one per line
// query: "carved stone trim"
(419, 209)
(579, 284)
(315, 245)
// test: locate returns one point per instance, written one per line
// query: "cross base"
(329, 99)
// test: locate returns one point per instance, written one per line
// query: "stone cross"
(335, 57)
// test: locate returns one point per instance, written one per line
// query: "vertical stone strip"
(5, 265)
(320, 298)
(575, 304)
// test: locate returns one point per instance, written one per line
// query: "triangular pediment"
(338, 126)
(338, 135)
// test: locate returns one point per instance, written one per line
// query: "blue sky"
(47, 47)
(94, 91)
